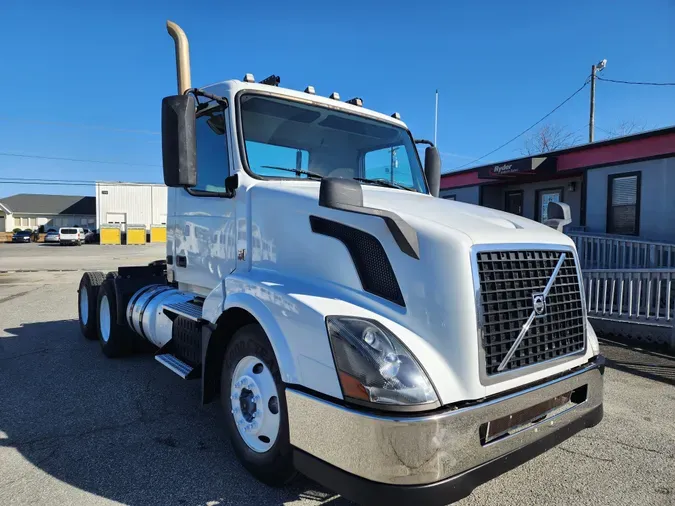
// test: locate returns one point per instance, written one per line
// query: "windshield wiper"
(297, 171)
(384, 182)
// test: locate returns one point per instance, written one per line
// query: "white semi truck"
(396, 347)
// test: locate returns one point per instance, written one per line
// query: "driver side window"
(212, 158)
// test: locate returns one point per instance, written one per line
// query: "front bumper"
(433, 459)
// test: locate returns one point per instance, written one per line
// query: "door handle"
(181, 261)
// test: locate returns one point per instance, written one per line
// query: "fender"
(249, 303)
(241, 309)
(294, 325)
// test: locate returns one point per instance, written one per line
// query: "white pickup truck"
(396, 347)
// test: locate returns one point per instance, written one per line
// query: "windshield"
(282, 134)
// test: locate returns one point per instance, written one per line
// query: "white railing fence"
(645, 297)
(615, 252)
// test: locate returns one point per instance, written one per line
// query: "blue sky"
(499, 67)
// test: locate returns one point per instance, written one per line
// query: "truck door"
(204, 217)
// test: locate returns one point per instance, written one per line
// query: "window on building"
(623, 204)
(212, 160)
(544, 197)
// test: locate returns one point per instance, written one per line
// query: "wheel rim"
(104, 318)
(254, 402)
(84, 305)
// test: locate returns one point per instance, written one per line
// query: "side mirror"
(559, 215)
(179, 144)
(432, 169)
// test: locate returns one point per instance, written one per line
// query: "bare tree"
(548, 138)
(626, 128)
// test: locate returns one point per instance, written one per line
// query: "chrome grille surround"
(557, 336)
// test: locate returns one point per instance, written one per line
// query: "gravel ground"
(79, 429)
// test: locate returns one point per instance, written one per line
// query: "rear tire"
(87, 303)
(116, 340)
(265, 452)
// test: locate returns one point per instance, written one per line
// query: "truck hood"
(481, 225)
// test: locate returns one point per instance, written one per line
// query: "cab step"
(187, 310)
(182, 369)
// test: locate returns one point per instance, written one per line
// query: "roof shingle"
(31, 203)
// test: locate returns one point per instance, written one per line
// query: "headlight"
(375, 367)
(592, 339)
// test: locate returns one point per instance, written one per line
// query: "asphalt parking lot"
(77, 428)
(54, 257)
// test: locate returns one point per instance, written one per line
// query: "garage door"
(117, 219)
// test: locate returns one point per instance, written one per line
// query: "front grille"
(508, 279)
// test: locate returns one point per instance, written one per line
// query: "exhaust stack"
(182, 56)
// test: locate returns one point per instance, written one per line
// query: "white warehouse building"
(126, 204)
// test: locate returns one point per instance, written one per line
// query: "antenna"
(436, 121)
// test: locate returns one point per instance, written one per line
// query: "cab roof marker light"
(358, 102)
(396, 115)
(310, 90)
(248, 78)
(335, 95)
(271, 80)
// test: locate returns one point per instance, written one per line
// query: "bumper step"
(186, 309)
(176, 365)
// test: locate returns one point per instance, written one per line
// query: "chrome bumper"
(414, 450)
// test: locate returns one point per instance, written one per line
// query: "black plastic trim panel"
(370, 259)
(450, 490)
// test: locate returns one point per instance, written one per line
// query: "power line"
(48, 183)
(80, 125)
(73, 182)
(527, 129)
(634, 82)
(85, 160)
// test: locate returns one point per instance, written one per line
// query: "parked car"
(52, 236)
(71, 235)
(90, 236)
(22, 236)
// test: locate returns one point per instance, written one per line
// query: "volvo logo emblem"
(539, 303)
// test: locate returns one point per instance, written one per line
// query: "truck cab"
(392, 345)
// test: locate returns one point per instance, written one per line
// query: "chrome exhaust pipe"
(182, 56)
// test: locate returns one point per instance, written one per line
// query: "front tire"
(256, 416)
(116, 340)
(87, 302)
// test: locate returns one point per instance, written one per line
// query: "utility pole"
(436, 121)
(591, 124)
(393, 162)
